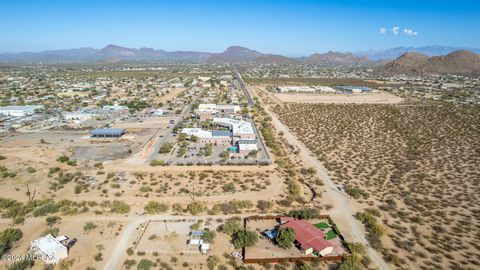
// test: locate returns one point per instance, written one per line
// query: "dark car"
(71, 242)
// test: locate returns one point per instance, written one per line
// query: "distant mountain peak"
(461, 62)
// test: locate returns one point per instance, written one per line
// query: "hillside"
(458, 62)
(334, 58)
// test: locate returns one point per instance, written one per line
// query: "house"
(308, 237)
(49, 248)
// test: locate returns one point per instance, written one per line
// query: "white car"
(237, 255)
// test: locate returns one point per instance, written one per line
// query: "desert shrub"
(212, 262)
(129, 263)
(44, 209)
(165, 148)
(264, 205)
(21, 265)
(89, 226)
(52, 220)
(119, 207)
(144, 264)
(156, 162)
(63, 158)
(196, 207)
(307, 213)
(155, 207)
(7, 237)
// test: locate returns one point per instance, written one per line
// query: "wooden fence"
(293, 259)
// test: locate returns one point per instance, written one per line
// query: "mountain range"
(231, 54)
(459, 62)
(393, 53)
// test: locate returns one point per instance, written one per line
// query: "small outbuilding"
(107, 132)
(49, 248)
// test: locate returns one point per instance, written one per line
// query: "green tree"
(245, 238)
(231, 226)
(285, 237)
(209, 237)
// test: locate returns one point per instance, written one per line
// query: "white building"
(20, 110)
(240, 129)
(246, 146)
(49, 248)
(205, 136)
(114, 108)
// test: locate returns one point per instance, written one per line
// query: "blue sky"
(286, 27)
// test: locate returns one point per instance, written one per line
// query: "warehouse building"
(107, 132)
(19, 111)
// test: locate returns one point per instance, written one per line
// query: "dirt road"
(343, 211)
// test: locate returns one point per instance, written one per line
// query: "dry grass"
(418, 164)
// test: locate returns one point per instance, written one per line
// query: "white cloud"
(395, 30)
(410, 32)
(383, 30)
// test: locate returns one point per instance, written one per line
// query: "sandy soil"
(373, 98)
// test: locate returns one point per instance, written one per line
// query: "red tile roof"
(307, 235)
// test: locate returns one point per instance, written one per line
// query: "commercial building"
(107, 132)
(50, 249)
(241, 130)
(18, 111)
(246, 146)
(308, 237)
(204, 136)
(209, 111)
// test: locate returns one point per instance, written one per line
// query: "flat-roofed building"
(247, 146)
(20, 110)
(241, 130)
(49, 248)
(205, 136)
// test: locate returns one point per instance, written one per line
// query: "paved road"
(343, 210)
(248, 95)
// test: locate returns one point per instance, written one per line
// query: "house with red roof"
(309, 238)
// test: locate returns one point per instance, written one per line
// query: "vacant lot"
(418, 164)
(364, 98)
